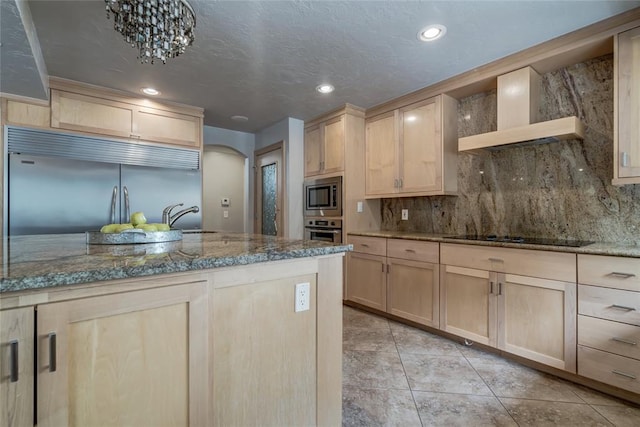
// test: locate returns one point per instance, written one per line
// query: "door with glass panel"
(269, 194)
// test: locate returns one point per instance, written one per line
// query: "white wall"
(291, 131)
(224, 173)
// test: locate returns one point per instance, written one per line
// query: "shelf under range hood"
(517, 105)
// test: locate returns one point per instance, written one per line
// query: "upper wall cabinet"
(626, 164)
(412, 151)
(324, 147)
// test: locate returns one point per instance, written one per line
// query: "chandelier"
(159, 29)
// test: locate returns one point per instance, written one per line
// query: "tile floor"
(396, 375)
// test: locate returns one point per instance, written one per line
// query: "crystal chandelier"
(159, 29)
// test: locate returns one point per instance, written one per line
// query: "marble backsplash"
(561, 189)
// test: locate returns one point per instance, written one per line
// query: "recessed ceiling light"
(432, 32)
(325, 88)
(150, 91)
(240, 118)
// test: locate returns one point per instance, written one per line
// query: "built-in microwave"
(323, 197)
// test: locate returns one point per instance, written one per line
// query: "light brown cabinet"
(16, 367)
(608, 320)
(626, 163)
(412, 151)
(324, 147)
(533, 317)
(138, 358)
(398, 276)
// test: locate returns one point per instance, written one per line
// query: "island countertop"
(35, 262)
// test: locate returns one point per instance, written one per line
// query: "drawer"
(544, 264)
(413, 250)
(609, 271)
(609, 368)
(613, 337)
(369, 245)
(611, 304)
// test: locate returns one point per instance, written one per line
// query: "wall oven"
(326, 230)
(323, 197)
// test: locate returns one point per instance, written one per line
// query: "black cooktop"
(526, 240)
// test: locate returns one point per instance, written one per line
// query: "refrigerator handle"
(127, 210)
(114, 196)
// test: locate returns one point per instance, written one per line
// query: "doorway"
(269, 179)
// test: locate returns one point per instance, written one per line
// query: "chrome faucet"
(169, 219)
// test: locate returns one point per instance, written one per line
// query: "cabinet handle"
(134, 136)
(410, 250)
(623, 374)
(395, 183)
(13, 359)
(621, 275)
(496, 260)
(53, 363)
(624, 159)
(622, 307)
(400, 182)
(622, 340)
(364, 245)
(499, 288)
(491, 289)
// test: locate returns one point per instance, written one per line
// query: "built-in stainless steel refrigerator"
(56, 194)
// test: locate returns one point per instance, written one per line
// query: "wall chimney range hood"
(518, 95)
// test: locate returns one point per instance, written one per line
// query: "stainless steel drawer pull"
(622, 340)
(491, 289)
(364, 245)
(496, 260)
(410, 250)
(623, 374)
(53, 363)
(13, 359)
(499, 288)
(622, 307)
(622, 275)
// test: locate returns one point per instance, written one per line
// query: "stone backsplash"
(560, 189)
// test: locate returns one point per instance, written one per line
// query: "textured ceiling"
(263, 59)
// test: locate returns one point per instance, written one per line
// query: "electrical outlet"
(302, 296)
(359, 207)
(405, 214)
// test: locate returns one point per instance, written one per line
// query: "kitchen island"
(197, 332)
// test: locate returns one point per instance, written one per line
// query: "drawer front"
(369, 245)
(544, 264)
(611, 304)
(609, 271)
(609, 368)
(413, 250)
(613, 337)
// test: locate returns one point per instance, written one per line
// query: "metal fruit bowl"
(132, 236)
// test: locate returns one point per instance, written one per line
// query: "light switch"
(225, 214)
(359, 207)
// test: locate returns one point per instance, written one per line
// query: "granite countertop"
(596, 248)
(33, 262)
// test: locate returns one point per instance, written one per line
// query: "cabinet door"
(16, 367)
(537, 320)
(312, 151)
(89, 114)
(627, 161)
(20, 113)
(467, 303)
(380, 156)
(367, 280)
(333, 159)
(413, 291)
(151, 124)
(421, 147)
(137, 358)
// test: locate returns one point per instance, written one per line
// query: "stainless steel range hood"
(518, 95)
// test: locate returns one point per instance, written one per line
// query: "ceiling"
(263, 59)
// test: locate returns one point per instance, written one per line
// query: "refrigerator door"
(49, 195)
(152, 189)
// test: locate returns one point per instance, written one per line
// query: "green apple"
(138, 218)
(110, 228)
(148, 227)
(123, 227)
(162, 227)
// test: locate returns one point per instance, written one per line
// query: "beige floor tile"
(368, 340)
(620, 416)
(415, 341)
(376, 407)
(541, 414)
(449, 374)
(352, 318)
(593, 397)
(472, 352)
(372, 369)
(441, 409)
(508, 379)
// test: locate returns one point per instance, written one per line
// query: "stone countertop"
(34, 262)
(596, 248)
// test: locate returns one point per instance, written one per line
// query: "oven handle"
(324, 230)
